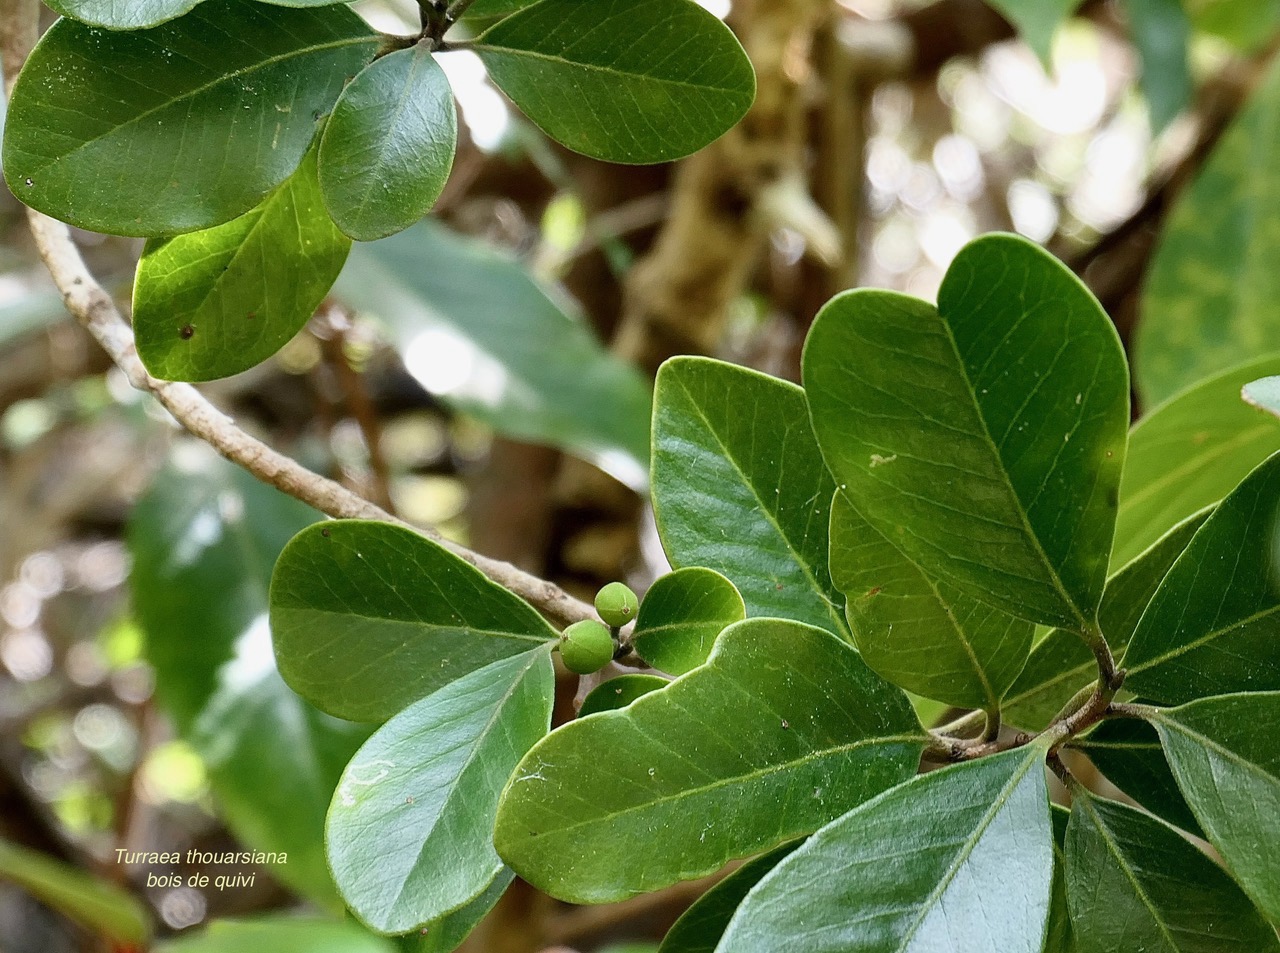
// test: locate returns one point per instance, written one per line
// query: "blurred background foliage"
(488, 372)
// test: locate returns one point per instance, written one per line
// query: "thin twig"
(90, 304)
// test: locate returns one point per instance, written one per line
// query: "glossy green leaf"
(1213, 624)
(1129, 753)
(181, 127)
(992, 426)
(487, 10)
(1247, 24)
(1061, 664)
(482, 335)
(203, 540)
(216, 302)
(1189, 453)
(278, 934)
(410, 830)
(782, 730)
(681, 615)
(127, 15)
(633, 81)
(1161, 31)
(1224, 754)
(1208, 296)
(700, 928)
(959, 860)
(740, 487)
(619, 692)
(448, 933)
(1059, 936)
(102, 908)
(388, 147)
(368, 617)
(922, 634)
(1134, 883)
(1037, 20)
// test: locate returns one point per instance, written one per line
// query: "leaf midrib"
(1224, 752)
(966, 849)
(770, 516)
(212, 84)
(963, 369)
(738, 779)
(482, 736)
(1114, 849)
(1210, 636)
(611, 72)
(421, 623)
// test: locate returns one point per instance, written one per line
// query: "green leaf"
(783, 729)
(1037, 21)
(1247, 24)
(388, 147)
(129, 15)
(489, 10)
(924, 635)
(448, 933)
(633, 81)
(1129, 753)
(278, 934)
(181, 127)
(1059, 938)
(1189, 453)
(680, 617)
(700, 928)
(100, 907)
(203, 540)
(410, 830)
(1161, 31)
(1211, 626)
(993, 426)
(482, 335)
(1224, 754)
(1061, 664)
(1208, 296)
(1134, 883)
(619, 692)
(368, 617)
(213, 303)
(739, 487)
(959, 860)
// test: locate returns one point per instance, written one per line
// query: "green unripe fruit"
(617, 604)
(586, 647)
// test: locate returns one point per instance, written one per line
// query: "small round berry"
(586, 647)
(617, 604)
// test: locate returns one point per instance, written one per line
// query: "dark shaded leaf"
(1134, 883)
(1211, 627)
